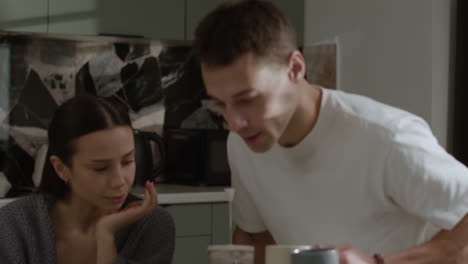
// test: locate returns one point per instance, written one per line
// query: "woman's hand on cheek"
(113, 222)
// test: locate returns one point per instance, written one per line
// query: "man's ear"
(297, 66)
(60, 168)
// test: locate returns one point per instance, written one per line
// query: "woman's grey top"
(27, 235)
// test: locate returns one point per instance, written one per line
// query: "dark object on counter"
(18, 167)
(197, 157)
(316, 256)
(149, 157)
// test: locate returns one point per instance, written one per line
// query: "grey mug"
(315, 256)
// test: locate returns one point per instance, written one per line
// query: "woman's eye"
(128, 162)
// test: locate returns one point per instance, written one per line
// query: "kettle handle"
(156, 169)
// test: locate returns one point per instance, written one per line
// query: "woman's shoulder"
(31, 203)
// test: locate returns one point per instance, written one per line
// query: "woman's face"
(103, 168)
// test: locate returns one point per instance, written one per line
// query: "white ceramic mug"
(281, 254)
(230, 254)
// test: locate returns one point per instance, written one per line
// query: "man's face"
(255, 98)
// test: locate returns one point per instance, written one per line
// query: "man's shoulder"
(370, 113)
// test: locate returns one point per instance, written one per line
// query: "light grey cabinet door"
(74, 17)
(294, 11)
(23, 15)
(160, 19)
(191, 250)
(196, 10)
(221, 224)
(191, 219)
(197, 227)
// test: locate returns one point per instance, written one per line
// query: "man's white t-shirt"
(367, 174)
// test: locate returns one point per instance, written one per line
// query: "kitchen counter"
(179, 194)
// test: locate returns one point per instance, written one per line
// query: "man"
(312, 165)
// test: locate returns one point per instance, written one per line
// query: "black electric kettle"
(149, 157)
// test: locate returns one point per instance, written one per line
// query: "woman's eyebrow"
(107, 160)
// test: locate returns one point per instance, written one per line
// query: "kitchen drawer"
(191, 250)
(191, 219)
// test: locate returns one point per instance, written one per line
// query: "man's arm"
(447, 246)
(258, 240)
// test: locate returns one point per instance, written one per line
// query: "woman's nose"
(118, 177)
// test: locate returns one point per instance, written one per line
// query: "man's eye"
(99, 169)
(213, 106)
(247, 100)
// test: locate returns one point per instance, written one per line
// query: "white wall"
(395, 51)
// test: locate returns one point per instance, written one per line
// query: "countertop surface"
(179, 194)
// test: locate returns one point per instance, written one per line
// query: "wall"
(394, 51)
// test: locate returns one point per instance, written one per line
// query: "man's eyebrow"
(243, 92)
(212, 97)
(239, 94)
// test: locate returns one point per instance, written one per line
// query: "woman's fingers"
(150, 199)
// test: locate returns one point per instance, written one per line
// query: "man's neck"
(305, 117)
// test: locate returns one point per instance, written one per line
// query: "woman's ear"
(60, 168)
(297, 67)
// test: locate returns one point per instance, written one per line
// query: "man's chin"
(260, 148)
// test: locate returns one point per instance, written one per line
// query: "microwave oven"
(196, 157)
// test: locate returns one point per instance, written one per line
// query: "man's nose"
(234, 120)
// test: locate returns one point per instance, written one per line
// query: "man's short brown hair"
(236, 28)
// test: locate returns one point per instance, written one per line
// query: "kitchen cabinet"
(196, 10)
(294, 11)
(23, 15)
(73, 17)
(160, 19)
(149, 18)
(197, 226)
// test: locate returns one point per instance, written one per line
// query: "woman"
(83, 212)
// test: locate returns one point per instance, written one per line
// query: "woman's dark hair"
(76, 117)
(238, 27)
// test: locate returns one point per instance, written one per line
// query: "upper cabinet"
(196, 10)
(294, 11)
(74, 17)
(149, 18)
(161, 19)
(23, 15)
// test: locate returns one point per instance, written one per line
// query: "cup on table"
(281, 254)
(315, 256)
(230, 254)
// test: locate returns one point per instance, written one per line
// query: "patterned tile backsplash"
(159, 81)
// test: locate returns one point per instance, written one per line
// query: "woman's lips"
(117, 199)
